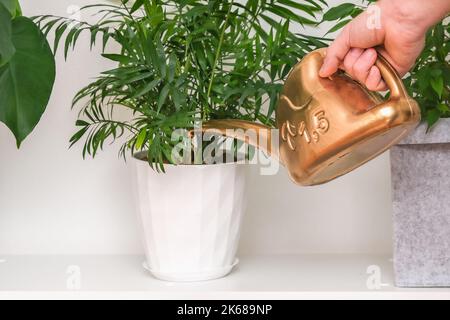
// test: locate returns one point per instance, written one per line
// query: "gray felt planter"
(421, 200)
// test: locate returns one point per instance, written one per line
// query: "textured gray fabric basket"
(420, 167)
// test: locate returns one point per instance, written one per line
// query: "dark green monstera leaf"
(12, 6)
(6, 46)
(9, 9)
(26, 80)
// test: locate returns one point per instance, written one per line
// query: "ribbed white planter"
(191, 219)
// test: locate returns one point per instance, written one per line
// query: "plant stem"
(216, 60)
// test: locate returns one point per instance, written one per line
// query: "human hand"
(399, 37)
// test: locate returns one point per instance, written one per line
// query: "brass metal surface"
(330, 126)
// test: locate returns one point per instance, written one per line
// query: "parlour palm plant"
(181, 62)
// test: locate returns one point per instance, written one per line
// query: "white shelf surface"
(258, 277)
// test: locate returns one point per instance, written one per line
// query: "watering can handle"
(391, 78)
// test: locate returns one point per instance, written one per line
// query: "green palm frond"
(181, 61)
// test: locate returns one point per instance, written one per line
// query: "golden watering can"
(330, 126)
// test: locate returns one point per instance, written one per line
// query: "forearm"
(421, 14)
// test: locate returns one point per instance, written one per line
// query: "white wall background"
(53, 202)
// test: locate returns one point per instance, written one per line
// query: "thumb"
(335, 54)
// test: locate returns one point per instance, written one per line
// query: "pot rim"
(439, 134)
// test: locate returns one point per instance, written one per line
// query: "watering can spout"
(252, 133)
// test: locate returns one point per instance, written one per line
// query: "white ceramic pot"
(191, 219)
